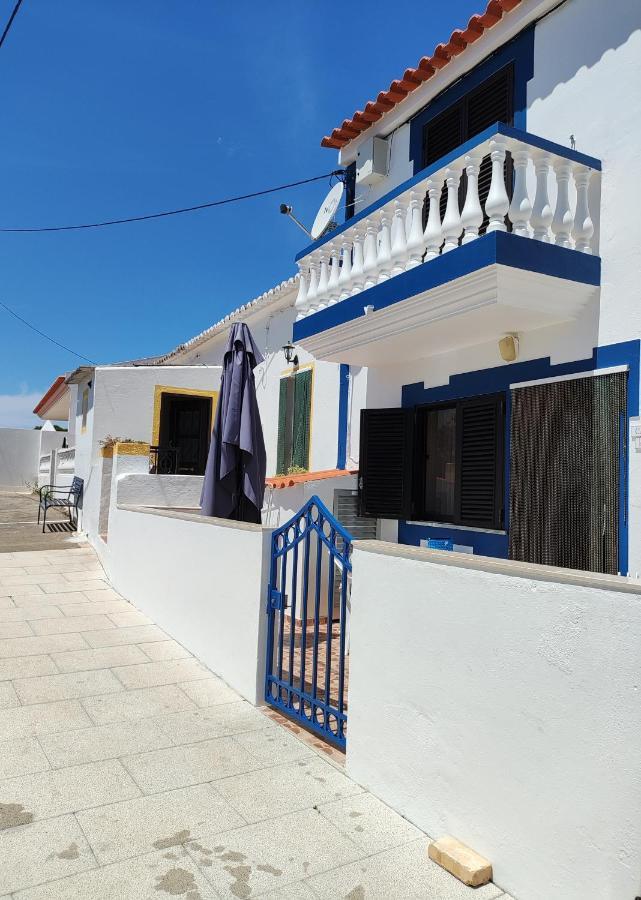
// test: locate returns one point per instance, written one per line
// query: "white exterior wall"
(204, 581)
(121, 404)
(506, 713)
(271, 329)
(165, 491)
(20, 452)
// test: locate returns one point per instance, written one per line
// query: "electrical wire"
(7, 27)
(171, 212)
(42, 334)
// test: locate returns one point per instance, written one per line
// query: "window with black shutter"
(386, 463)
(459, 462)
(438, 463)
(492, 101)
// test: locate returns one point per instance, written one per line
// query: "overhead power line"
(171, 212)
(7, 27)
(45, 336)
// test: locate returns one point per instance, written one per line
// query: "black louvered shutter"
(481, 462)
(386, 461)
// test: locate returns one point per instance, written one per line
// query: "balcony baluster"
(433, 234)
(384, 255)
(369, 254)
(542, 213)
(452, 226)
(521, 207)
(563, 219)
(301, 305)
(312, 289)
(323, 280)
(472, 215)
(399, 238)
(498, 202)
(415, 240)
(345, 277)
(357, 263)
(583, 225)
(333, 289)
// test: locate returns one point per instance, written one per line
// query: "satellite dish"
(324, 220)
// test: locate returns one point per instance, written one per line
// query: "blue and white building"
(487, 273)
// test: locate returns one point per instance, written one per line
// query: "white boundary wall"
(203, 580)
(503, 710)
(20, 452)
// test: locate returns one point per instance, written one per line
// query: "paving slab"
(175, 767)
(51, 599)
(8, 696)
(150, 674)
(150, 877)
(286, 788)
(211, 722)
(69, 748)
(251, 860)
(92, 573)
(209, 691)
(21, 757)
(50, 643)
(41, 852)
(404, 872)
(274, 745)
(114, 636)
(93, 608)
(161, 650)
(25, 666)
(15, 613)
(43, 718)
(67, 587)
(32, 590)
(70, 686)
(159, 822)
(369, 823)
(15, 629)
(69, 624)
(43, 795)
(100, 658)
(132, 705)
(130, 617)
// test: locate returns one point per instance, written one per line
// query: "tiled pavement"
(128, 771)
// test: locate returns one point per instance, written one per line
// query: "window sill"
(457, 527)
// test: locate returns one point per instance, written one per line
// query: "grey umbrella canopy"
(234, 484)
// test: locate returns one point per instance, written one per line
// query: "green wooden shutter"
(302, 411)
(282, 417)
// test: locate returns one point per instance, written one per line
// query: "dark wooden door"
(185, 424)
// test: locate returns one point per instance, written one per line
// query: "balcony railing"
(546, 199)
(66, 460)
(163, 460)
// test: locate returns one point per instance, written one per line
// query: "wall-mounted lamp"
(290, 353)
(509, 347)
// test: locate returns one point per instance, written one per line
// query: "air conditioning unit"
(372, 161)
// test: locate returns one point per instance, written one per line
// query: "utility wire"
(7, 27)
(45, 336)
(171, 212)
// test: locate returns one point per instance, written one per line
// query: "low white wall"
(20, 451)
(170, 491)
(503, 710)
(203, 580)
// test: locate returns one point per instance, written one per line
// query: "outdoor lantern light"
(290, 355)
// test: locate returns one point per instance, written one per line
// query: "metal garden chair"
(66, 497)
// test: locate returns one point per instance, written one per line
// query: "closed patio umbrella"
(235, 475)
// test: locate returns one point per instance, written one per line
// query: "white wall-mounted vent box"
(372, 161)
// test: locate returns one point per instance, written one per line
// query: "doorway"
(185, 429)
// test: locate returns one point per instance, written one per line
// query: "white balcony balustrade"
(543, 195)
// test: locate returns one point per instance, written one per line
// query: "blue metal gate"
(308, 618)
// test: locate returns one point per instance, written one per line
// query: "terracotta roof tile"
(426, 68)
(285, 481)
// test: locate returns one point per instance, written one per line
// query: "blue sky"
(112, 108)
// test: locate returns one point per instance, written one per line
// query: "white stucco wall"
(202, 580)
(169, 491)
(20, 452)
(122, 405)
(506, 712)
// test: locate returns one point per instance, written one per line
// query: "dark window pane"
(440, 473)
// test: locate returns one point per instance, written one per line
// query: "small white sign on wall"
(635, 433)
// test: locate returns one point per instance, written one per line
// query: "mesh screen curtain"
(565, 472)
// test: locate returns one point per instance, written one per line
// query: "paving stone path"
(128, 771)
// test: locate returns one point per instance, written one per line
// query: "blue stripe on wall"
(495, 380)
(343, 394)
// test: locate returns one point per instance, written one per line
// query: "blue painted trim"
(499, 378)
(343, 394)
(519, 52)
(499, 247)
(467, 147)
